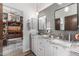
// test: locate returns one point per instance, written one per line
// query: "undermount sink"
(45, 36)
(61, 42)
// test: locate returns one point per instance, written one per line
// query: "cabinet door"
(47, 48)
(57, 50)
(53, 50)
(34, 45)
(40, 47)
(62, 51)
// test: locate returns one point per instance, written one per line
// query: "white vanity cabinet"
(43, 47)
(38, 46)
(34, 45)
(62, 51)
(47, 48)
(57, 50)
(53, 50)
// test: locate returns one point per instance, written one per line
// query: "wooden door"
(57, 24)
(71, 22)
(21, 19)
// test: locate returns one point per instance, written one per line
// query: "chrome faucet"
(69, 37)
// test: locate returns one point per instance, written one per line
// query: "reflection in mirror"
(66, 18)
(42, 23)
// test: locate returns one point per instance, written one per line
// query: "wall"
(49, 12)
(28, 12)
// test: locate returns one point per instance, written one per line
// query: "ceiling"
(29, 9)
(41, 6)
(35, 6)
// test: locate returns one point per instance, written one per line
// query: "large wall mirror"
(66, 18)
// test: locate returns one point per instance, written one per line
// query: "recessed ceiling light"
(66, 9)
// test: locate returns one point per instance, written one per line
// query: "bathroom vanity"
(46, 46)
(66, 22)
